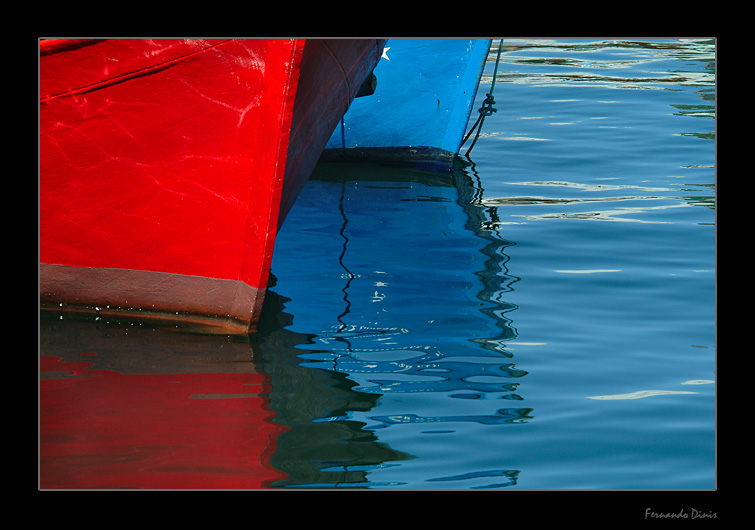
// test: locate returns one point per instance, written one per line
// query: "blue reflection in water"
(409, 285)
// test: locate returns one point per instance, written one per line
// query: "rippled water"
(547, 319)
(541, 317)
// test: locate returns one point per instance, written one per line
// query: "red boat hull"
(167, 167)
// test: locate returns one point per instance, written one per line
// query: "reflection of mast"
(495, 278)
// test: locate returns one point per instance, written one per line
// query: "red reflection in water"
(104, 429)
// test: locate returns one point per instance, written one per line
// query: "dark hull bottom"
(209, 305)
(431, 158)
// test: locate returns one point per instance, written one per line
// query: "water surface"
(546, 319)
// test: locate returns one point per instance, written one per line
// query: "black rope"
(487, 107)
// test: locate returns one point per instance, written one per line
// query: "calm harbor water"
(541, 317)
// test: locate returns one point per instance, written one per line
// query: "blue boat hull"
(419, 111)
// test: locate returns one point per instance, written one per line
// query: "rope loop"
(487, 107)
